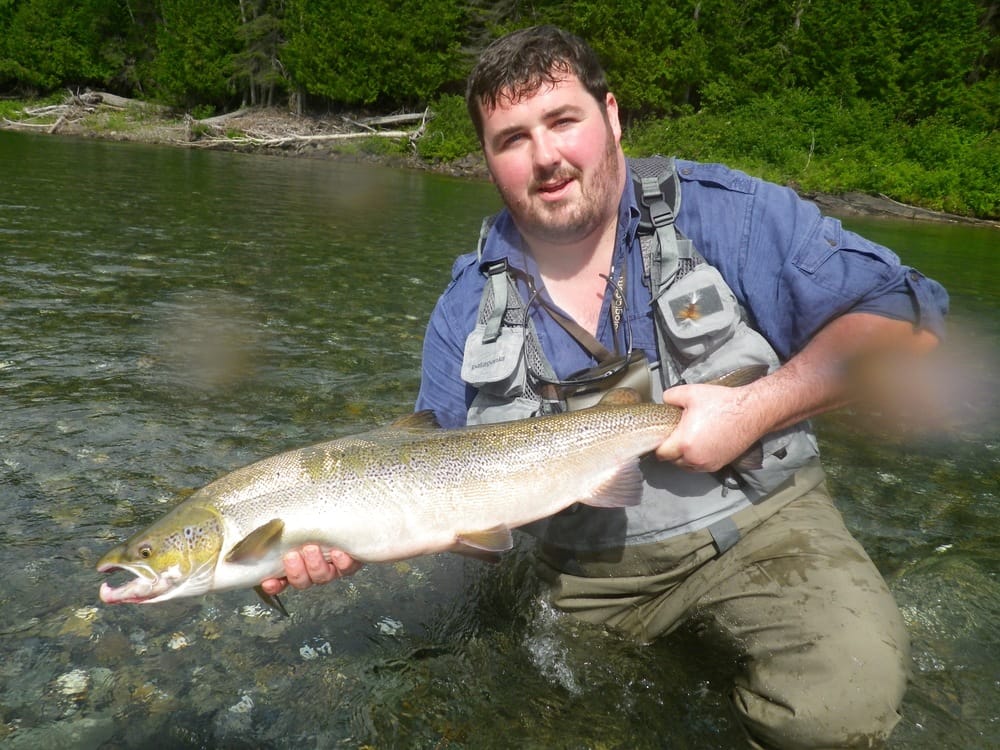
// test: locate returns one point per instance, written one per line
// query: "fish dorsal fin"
(621, 489)
(257, 543)
(621, 397)
(740, 376)
(418, 420)
(496, 539)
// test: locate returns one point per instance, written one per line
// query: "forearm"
(824, 375)
(719, 424)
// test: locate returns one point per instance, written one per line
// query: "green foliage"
(45, 44)
(449, 134)
(893, 96)
(196, 47)
(400, 51)
(257, 70)
(822, 145)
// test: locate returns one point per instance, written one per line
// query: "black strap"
(581, 334)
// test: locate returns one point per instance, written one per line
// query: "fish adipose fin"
(622, 489)
(257, 543)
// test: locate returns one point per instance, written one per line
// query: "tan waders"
(824, 650)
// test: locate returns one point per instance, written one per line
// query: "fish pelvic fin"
(491, 541)
(271, 600)
(257, 543)
(620, 490)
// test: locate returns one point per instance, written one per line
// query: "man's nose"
(546, 150)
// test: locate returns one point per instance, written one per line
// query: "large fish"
(407, 489)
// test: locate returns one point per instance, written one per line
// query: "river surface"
(168, 315)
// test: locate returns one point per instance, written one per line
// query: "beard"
(570, 221)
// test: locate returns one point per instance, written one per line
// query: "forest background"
(899, 98)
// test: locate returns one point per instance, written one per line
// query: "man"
(561, 278)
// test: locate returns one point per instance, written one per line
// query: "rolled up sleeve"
(805, 269)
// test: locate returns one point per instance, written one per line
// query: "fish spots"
(318, 462)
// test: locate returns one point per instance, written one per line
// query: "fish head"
(176, 556)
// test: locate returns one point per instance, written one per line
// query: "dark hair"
(520, 63)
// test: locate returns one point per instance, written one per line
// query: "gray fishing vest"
(702, 333)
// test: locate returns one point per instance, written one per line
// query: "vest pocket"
(699, 313)
(495, 366)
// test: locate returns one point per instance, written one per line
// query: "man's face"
(554, 157)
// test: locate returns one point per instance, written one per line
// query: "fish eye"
(145, 551)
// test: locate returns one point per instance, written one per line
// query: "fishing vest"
(701, 333)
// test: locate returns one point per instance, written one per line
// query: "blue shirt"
(791, 268)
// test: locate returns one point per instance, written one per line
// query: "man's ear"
(611, 110)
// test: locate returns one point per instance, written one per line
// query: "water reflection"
(184, 313)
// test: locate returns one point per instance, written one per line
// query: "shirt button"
(686, 170)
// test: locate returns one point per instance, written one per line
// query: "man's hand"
(308, 566)
(718, 425)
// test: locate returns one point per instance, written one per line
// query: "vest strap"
(497, 275)
(724, 533)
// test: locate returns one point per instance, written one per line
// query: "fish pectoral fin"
(257, 543)
(271, 600)
(621, 489)
(496, 539)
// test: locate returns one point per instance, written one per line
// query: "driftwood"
(121, 102)
(26, 125)
(372, 123)
(224, 118)
(248, 127)
(217, 132)
(287, 140)
(77, 105)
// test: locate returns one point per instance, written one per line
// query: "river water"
(167, 315)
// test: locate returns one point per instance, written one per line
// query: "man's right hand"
(308, 566)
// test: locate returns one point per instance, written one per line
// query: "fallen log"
(224, 117)
(394, 119)
(120, 102)
(22, 124)
(287, 140)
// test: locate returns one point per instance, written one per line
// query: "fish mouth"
(145, 586)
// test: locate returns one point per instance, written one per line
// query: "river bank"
(341, 136)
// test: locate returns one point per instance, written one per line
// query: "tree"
(51, 43)
(389, 51)
(196, 47)
(258, 70)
